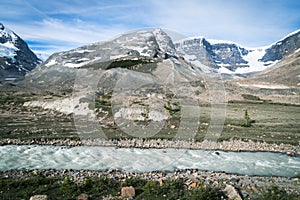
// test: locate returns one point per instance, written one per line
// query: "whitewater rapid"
(145, 160)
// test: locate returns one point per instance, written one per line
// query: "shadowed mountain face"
(16, 59)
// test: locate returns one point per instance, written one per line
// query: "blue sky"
(57, 25)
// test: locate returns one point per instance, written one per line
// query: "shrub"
(205, 193)
(247, 121)
(275, 193)
(68, 187)
(250, 97)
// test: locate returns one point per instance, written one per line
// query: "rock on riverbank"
(231, 145)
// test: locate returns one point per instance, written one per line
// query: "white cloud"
(61, 36)
(247, 22)
(61, 25)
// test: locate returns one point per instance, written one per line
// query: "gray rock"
(232, 193)
(83, 197)
(234, 179)
(39, 197)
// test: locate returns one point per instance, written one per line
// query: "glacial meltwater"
(145, 160)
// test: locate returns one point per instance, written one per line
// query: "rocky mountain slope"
(16, 59)
(139, 69)
(152, 55)
(232, 58)
(141, 51)
(286, 72)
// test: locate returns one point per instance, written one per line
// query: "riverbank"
(230, 145)
(248, 187)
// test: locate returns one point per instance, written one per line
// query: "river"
(145, 160)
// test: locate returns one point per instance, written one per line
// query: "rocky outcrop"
(232, 193)
(83, 197)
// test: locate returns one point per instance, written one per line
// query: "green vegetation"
(247, 120)
(251, 97)
(176, 189)
(127, 64)
(274, 123)
(24, 188)
(141, 65)
(59, 188)
(8, 99)
(56, 188)
(173, 108)
(275, 193)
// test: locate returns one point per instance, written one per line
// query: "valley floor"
(276, 128)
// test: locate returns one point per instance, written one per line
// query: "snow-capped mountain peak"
(16, 59)
(5, 32)
(151, 44)
(7, 43)
(220, 56)
(164, 41)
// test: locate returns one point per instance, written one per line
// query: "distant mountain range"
(232, 58)
(16, 59)
(208, 56)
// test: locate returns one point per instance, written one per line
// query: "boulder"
(128, 192)
(83, 197)
(232, 193)
(39, 197)
(161, 182)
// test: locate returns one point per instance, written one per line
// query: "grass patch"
(142, 65)
(66, 188)
(250, 97)
(275, 193)
(7, 99)
(274, 123)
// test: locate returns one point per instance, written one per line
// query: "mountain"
(139, 69)
(143, 51)
(232, 58)
(152, 44)
(132, 50)
(16, 59)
